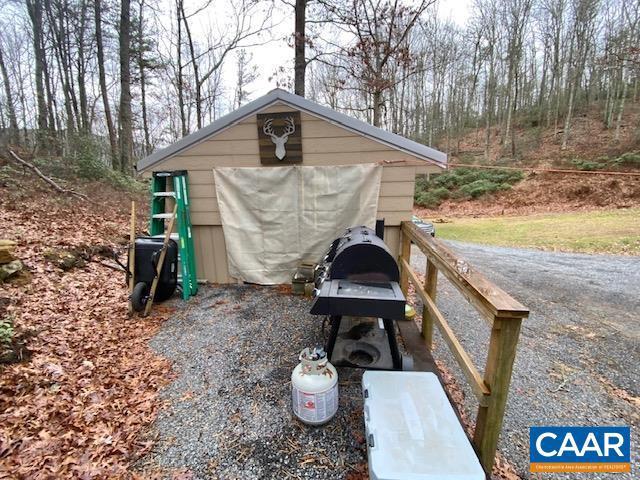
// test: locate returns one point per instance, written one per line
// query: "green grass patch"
(616, 231)
(463, 183)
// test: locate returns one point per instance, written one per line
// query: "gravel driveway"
(233, 349)
(579, 352)
(228, 412)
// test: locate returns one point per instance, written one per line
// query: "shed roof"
(295, 101)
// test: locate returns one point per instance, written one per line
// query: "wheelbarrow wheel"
(139, 296)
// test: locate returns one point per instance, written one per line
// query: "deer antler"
(290, 127)
(267, 128)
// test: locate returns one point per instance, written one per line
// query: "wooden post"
(497, 376)
(163, 253)
(430, 287)
(405, 253)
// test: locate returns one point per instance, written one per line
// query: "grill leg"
(393, 344)
(333, 334)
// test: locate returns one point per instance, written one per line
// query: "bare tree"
(241, 31)
(102, 79)
(245, 74)
(584, 16)
(379, 32)
(516, 17)
(124, 113)
(300, 63)
(35, 14)
(11, 111)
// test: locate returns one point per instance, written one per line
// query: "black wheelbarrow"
(147, 254)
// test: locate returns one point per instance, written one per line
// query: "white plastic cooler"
(412, 431)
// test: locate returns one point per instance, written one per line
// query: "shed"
(283, 130)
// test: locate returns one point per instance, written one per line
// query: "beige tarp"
(274, 218)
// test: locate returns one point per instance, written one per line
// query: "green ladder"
(160, 191)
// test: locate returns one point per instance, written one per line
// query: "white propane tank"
(314, 387)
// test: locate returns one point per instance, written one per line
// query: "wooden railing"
(503, 313)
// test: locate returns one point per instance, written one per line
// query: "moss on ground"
(463, 183)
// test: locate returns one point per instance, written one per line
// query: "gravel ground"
(228, 411)
(577, 362)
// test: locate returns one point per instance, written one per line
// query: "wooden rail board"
(470, 371)
(504, 313)
(490, 299)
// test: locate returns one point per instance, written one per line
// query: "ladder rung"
(173, 236)
(163, 216)
(164, 194)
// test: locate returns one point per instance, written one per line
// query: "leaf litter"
(77, 407)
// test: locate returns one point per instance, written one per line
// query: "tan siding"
(396, 189)
(220, 254)
(225, 147)
(392, 239)
(394, 218)
(205, 268)
(389, 174)
(241, 131)
(200, 177)
(205, 218)
(278, 107)
(398, 174)
(202, 190)
(190, 162)
(316, 128)
(204, 201)
(395, 204)
(204, 205)
(311, 128)
(340, 145)
(323, 143)
(211, 254)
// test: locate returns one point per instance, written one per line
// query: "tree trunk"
(82, 90)
(11, 111)
(513, 114)
(52, 107)
(143, 82)
(103, 85)
(124, 114)
(377, 108)
(621, 108)
(194, 63)
(567, 120)
(300, 43)
(179, 79)
(34, 8)
(64, 70)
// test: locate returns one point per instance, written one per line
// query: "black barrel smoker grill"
(357, 289)
(147, 253)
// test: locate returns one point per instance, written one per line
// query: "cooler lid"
(412, 430)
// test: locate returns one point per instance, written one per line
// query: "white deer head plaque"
(280, 138)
